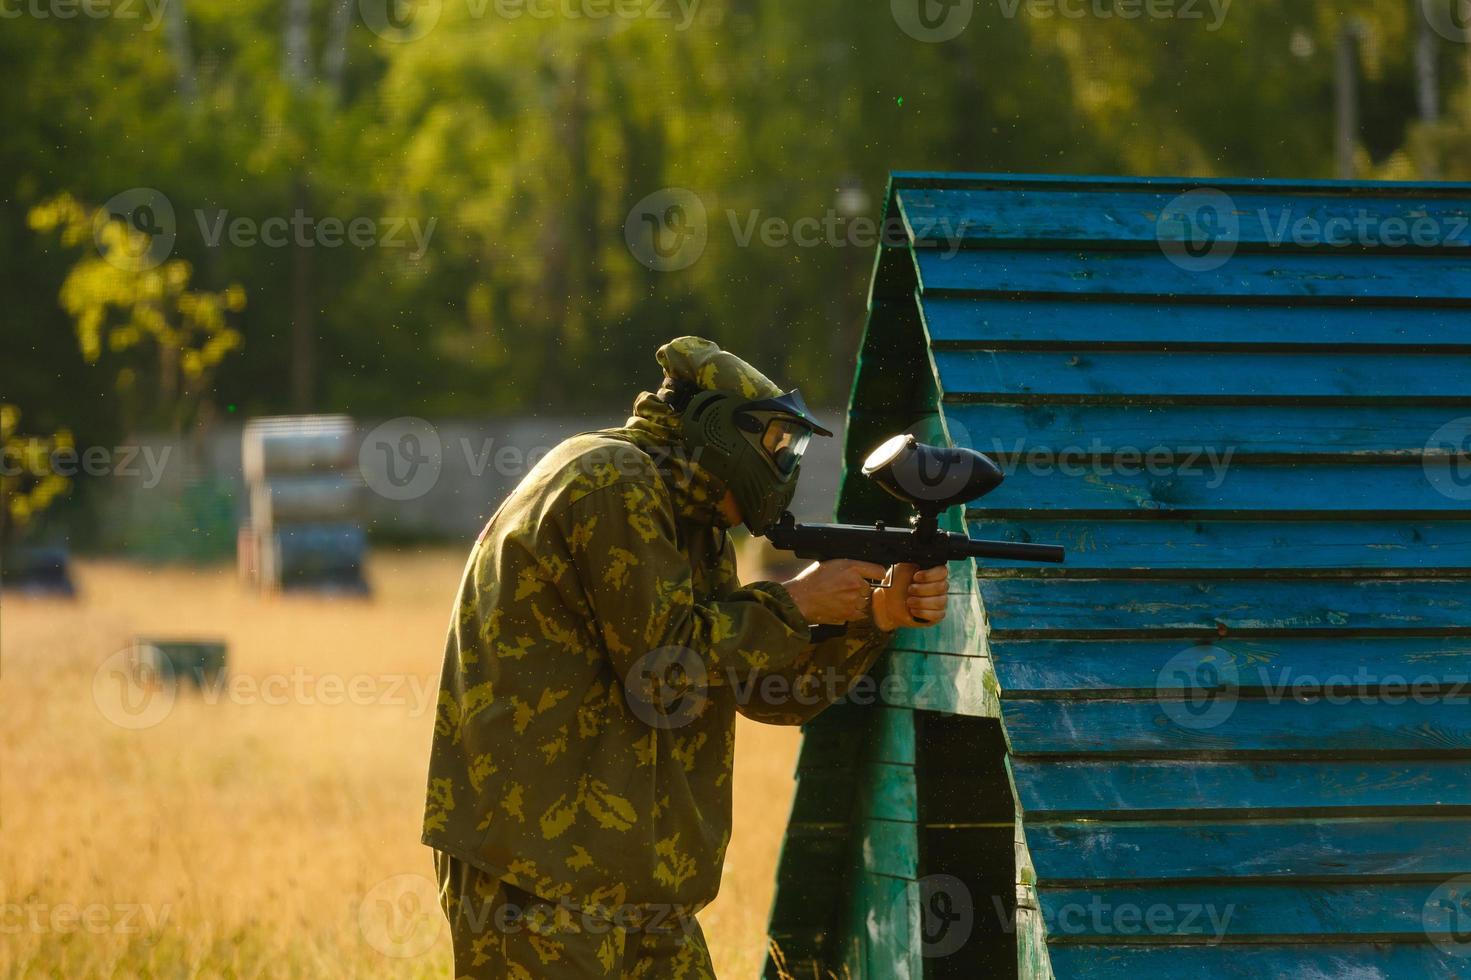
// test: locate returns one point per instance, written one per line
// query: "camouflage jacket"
(585, 730)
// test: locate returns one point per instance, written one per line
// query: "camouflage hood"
(654, 426)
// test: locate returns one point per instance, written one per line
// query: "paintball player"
(578, 810)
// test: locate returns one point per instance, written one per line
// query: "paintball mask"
(754, 447)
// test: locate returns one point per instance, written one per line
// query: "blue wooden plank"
(1425, 280)
(1240, 545)
(1291, 961)
(983, 322)
(1011, 216)
(1199, 376)
(1310, 666)
(901, 179)
(1236, 911)
(1156, 727)
(1120, 788)
(1095, 851)
(1040, 431)
(1203, 607)
(1229, 487)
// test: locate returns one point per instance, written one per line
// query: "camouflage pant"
(503, 933)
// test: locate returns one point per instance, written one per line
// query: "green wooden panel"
(941, 682)
(893, 739)
(889, 847)
(889, 793)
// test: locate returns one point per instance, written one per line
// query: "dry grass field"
(274, 832)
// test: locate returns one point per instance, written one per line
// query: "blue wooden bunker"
(1231, 737)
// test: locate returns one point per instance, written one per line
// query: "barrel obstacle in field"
(305, 492)
(1230, 737)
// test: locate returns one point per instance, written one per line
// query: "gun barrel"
(1018, 551)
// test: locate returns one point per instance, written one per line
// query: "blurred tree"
(122, 300)
(28, 479)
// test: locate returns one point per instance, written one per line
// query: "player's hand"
(911, 598)
(835, 592)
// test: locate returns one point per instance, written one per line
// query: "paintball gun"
(929, 479)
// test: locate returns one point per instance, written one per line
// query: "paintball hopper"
(931, 478)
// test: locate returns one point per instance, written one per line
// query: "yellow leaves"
(28, 481)
(439, 803)
(121, 296)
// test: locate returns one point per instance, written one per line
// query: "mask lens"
(785, 442)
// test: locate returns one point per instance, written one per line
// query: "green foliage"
(28, 481)
(121, 300)
(526, 140)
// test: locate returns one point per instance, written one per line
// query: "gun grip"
(826, 631)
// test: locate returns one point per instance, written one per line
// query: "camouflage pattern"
(601, 647)
(502, 932)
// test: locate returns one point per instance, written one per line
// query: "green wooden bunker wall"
(1120, 768)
